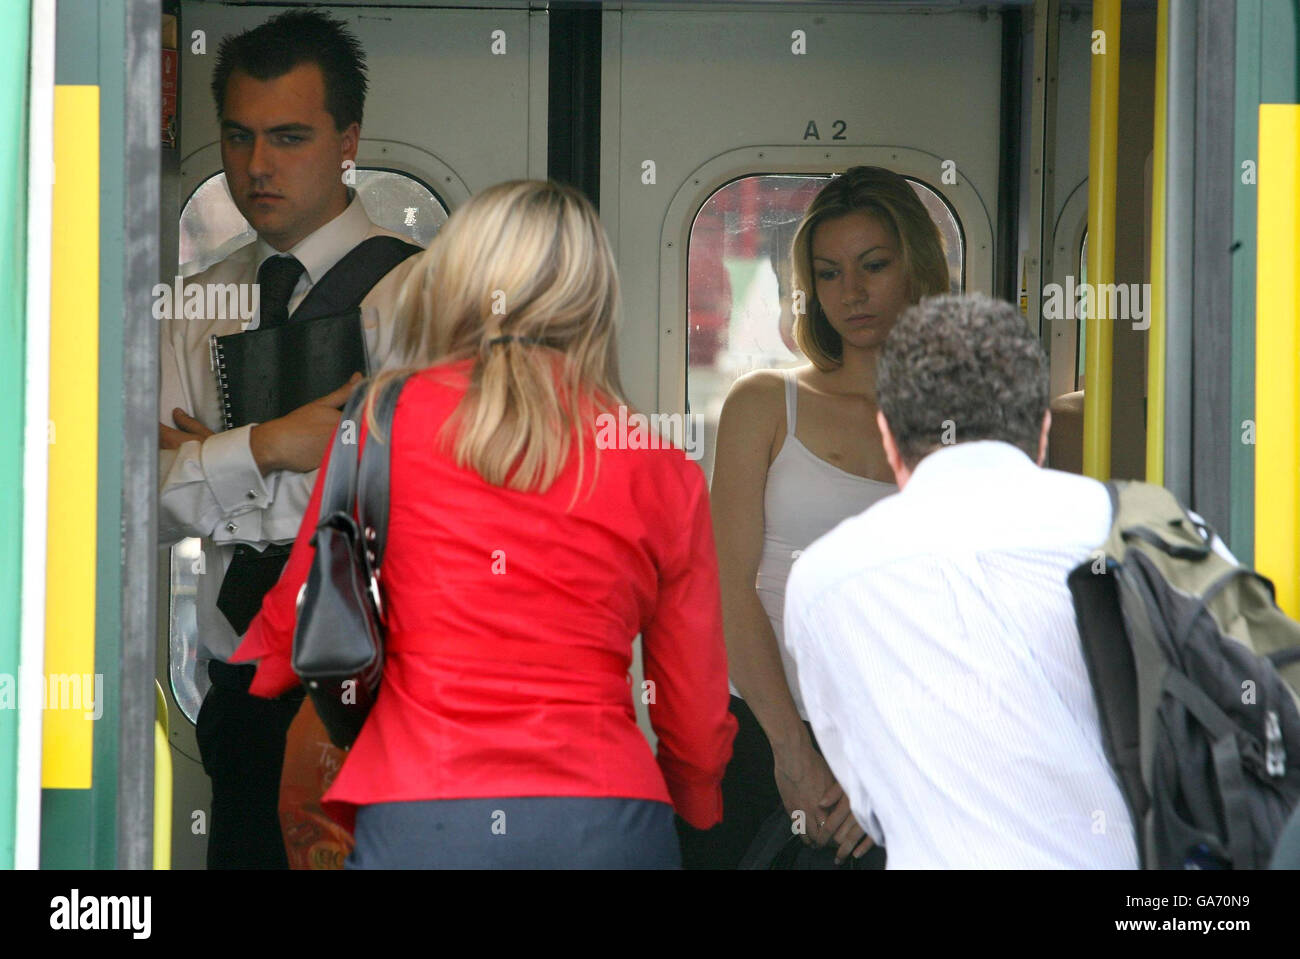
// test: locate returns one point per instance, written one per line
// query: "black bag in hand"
(338, 642)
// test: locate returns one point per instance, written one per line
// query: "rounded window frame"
(968, 207)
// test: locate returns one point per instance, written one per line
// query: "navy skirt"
(520, 833)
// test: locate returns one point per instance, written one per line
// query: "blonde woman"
(525, 552)
(797, 452)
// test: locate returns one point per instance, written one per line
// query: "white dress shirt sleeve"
(214, 488)
(823, 699)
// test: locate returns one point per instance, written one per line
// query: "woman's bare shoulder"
(753, 416)
(758, 391)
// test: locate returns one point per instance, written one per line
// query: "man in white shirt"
(289, 95)
(935, 635)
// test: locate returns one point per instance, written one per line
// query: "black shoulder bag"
(338, 643)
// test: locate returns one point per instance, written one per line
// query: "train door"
(718, 127)
(1064, 248)
(457, 102)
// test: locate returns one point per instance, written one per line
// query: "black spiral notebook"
(264, 374)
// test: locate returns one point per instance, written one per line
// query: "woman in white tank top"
(798, 452)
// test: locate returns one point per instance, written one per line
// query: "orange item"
(311, 839)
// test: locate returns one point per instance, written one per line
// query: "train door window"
(739, 312)
(211, 228)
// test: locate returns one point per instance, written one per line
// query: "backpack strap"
(1176, 550)
(1151, 514)
(1113, 676)
(1227, 761)
(347, 282)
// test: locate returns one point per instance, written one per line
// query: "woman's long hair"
(889, 197)
(522, 280)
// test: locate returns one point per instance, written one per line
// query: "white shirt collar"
(319, 251)
(955, 465)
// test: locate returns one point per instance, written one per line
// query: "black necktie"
(276, 278)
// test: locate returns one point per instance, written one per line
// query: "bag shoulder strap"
(340, 485)
(372, 483)
(348, 281)
(1112, 673)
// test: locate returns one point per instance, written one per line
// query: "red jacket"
(510, 628)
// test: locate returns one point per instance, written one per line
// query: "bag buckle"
(374, 594)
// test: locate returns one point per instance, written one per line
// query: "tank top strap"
(791, 400)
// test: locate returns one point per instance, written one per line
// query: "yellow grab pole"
(162, 799)
(1277, 353)
(1156, 333)
(162, 784)
(1102, 146)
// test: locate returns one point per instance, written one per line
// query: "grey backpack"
(1195, 671)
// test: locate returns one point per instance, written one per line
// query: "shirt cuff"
(236, 482)
(700, 804)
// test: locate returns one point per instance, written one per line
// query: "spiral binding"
(223, 380)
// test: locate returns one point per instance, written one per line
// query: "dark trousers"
(749, 797)
(536, 832)
(241, 742)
